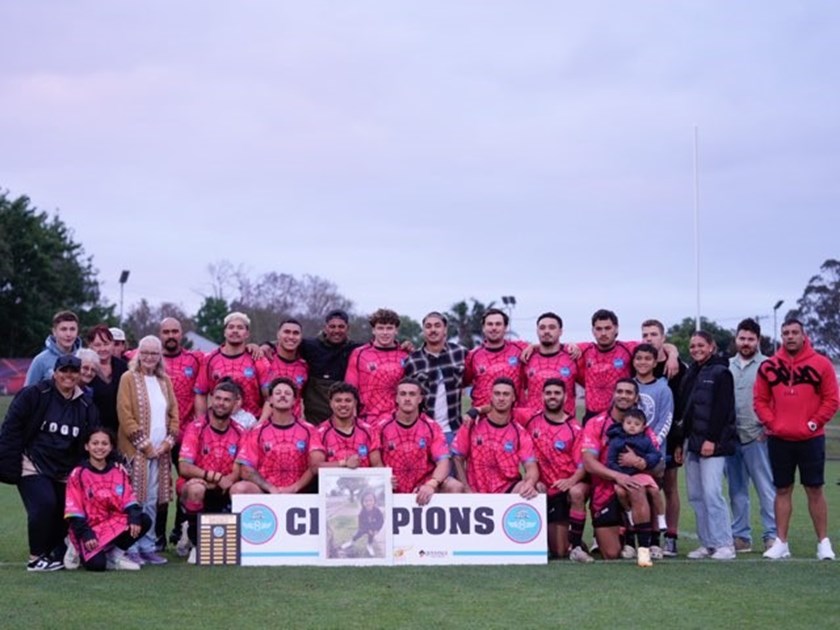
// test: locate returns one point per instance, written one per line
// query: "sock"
(671, 534)
(576, 523)
(655, 538)
(660, 522)
(643, 531)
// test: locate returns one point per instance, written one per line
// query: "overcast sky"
(417, 153)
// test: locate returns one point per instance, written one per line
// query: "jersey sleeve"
(128, 497)
(316, 441)
(439, 450)
(461, 443)
(74, 502)
(248, 454)
(589, 439)
(526, 447)
(202, 382)
(469, 369)
(189, 445)
(263, 372)
(352, 374)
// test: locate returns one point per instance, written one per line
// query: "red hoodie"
(796, 396)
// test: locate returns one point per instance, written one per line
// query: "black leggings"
(99, 562)
(43, 498)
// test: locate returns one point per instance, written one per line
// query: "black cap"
(70, 361)
(338, 313)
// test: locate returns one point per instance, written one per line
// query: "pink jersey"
(412, 451)
(101, 498)
(210, 449)
(493, 454)
(251, 375)
(297, 371)
(599, 371)
(376, 373)
(484, 365)
(538, 370)
(280, 454)
(557, 447)
(336, 445)
(183, 369)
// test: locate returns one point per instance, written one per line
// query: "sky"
(420, 153)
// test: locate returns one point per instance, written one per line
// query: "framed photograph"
(356, 507)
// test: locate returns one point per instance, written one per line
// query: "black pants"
(43, 498)
(99, 562)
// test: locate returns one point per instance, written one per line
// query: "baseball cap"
(68, 362)
(117, 334)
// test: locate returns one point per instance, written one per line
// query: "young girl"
(104, 517)
(371, 521)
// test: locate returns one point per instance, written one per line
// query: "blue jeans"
(751, 461)
(704, 484)
(146, 543)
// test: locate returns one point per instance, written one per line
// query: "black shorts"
(216, 502)
(557, 510)
(787, 456)
(611, 515)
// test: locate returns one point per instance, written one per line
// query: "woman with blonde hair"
(148, 414)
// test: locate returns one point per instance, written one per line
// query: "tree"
(210, 319)
(465, 321)
(144, 319)
(819, 308)
(680, 335)
(42, 270)
(411, 330)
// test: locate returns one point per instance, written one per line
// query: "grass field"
(748, 592)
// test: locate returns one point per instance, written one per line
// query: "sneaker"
(628, 552)
(44, 563)
(593, 548)
(699, 554)
(117, 560)
(347, 545)
(579, 555)
(778, 550)
(71, 556)
(643, 557)
(656, 552)
(135, 557)
(670, 549)
(371, 551)
(724, 553)
(742, 545)
(160, 543)
(768, 542)
(153, 557)
(183, 544)
(824, 550)
(191, 559)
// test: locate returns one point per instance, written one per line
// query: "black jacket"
(709, 392)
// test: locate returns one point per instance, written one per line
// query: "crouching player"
(414, 447)
(207, 460)
(342, 441)
(105, 518)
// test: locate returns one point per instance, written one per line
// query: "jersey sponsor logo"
(559, 445)
(266, 447)
(299, 379)
(565, 372)
(371, 367)
(618, 363)
(522, 523)
(248, 372)
(392, 446)
(363, 450)
(513, 360)
(300, 445)
(258, 523)
(508, 447)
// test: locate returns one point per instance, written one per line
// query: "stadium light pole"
(123, 279)
(697, 224)
(775, 322)
(509, 301)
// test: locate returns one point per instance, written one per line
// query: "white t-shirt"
(157, 411)
(441, 406)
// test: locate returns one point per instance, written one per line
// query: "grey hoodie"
(41, 368)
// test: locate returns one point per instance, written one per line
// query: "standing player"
(376, 367)
(556, 436)
(286, 361)
(232, 359)
(490, 449)
(414, 448)
(551, 361)
(343, 441)
(275, 458)
(207, 461)
(495, 358)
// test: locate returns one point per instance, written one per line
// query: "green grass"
(749, 592)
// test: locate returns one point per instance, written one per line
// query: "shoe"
(699, 554)
(153, 557)
(824, 550)
(183, 544)
(118, 560)
(742, 545)
(593, 548)
(135, 557)
(643, 557)
(160, 543)
(628, 552)
(656, 552)
(670, 549)
(44, 564)
(175, 535)
(71, 556)
(371, 551)
(347, 545)
(724, 553)
(579, 555)
(191, 559)
(768, 542)
(777, 551)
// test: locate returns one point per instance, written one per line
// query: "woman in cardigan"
(148, 414)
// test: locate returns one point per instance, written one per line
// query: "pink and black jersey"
(209, 448)
(493, 454)
(101, 497)
(484, 365)
(557, 448)
(599, 371)
(361, 441)
(376, 373)
(412, 451)
(538, 370)
(280, 454)
(297, 371)
(183, 369)
(250, 374)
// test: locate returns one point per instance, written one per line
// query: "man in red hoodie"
(795, 397)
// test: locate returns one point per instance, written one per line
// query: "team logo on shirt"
(522, 523)
(513, 360)
(299, 379)
(392, 446)
(363, 450)
(258, 523)
(248, 372)
(559, 445)
(188, 372)
(119, 489)
(508, 447)
(266, 447)
(232, 449)
(422, 443)
(371, 367)
(301, 445)
(618, 363)
(565, 372)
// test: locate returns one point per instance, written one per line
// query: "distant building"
(200, 343)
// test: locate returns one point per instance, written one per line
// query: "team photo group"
(103, 439)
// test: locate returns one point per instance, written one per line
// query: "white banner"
(452, 529)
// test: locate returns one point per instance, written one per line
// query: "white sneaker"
(116, 560)
(628, 552)
(347, 545)
(579, 555)
(724, 553)
(191, 559)
(72, 560)
(699, 554)
(824, 550)
(371, 551)
(778, 551)
(183, 546)
(656, 552)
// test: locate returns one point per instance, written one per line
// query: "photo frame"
(356, 509)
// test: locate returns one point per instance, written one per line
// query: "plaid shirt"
(425, 367)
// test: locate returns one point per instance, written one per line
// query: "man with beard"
(343, 441)
(495, 358)
(287, 362)
(550, 361)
